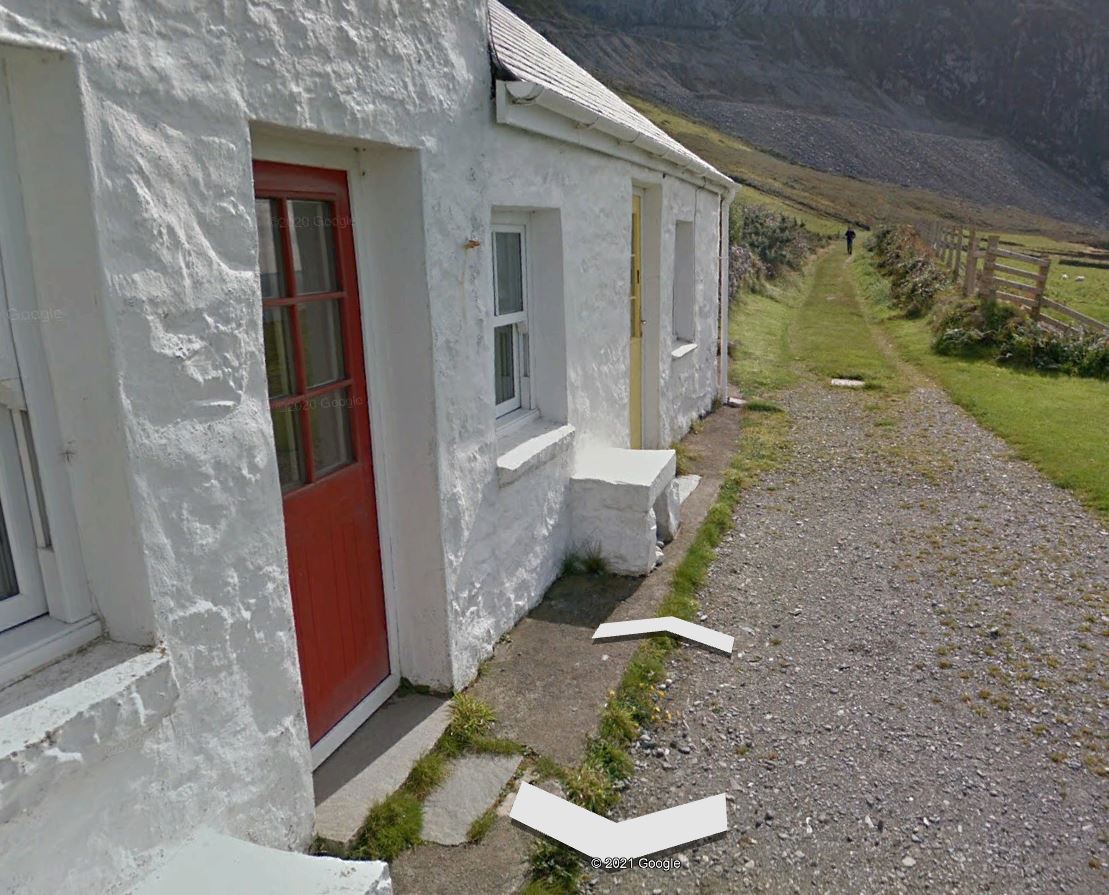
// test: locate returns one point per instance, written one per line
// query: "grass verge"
(1055, 422)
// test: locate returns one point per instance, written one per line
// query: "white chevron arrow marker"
(599, 837)
(666, 625)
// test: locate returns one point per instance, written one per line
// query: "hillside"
(1003, 103)
(826, 201)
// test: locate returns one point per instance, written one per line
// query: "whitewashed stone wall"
(169, 90)
(184, 542)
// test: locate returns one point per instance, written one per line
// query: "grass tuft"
(481, 825)
(759, 406)
(426, 774)
(585, 560)
(470, 719)
(392, 826)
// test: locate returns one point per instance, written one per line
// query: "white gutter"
(531, 94)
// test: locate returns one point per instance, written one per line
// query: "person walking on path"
(850, 237)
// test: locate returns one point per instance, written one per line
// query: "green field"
(1090, 296)
(1055, 422)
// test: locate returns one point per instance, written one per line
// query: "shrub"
(968, 325)
(765, 244)
(916, 279)
(985, 326)
(1025, 343)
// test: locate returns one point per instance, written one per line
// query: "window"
(685, 284)
(511, 343)
(24, 529)
(45, 604)
(23, 524)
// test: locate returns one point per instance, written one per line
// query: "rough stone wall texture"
(170, 90)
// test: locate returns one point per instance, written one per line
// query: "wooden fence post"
(958, 251)
(988, 283)
(1041, 287)
(972, 264)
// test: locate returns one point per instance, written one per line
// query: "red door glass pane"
(330, 416)
(321, 334)
(313, 242)
(270, 263)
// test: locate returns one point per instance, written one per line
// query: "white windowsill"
(517, 419)
(40, 642)
(71, 714)
(529, 446)
(683, 349)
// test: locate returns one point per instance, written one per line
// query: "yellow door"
(635, 408)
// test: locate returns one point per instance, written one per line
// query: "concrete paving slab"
(474, 783)
(498, 865)
(375, 761)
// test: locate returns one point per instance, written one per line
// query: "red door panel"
(318, 404)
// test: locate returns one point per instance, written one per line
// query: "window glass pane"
(270, 269)
(9, 586)
(321, 334)
(510, 272)
(313, 245)
(277, 335)
(330, 419)
(286, 437)
(504, 363)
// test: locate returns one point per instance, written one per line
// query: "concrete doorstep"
(375, 761)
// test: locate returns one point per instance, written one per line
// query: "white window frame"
(51, 615)
(520, 404)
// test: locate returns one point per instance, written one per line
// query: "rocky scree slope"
(1003, 102)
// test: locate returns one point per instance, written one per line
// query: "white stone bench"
(211, 862)
(614, 493)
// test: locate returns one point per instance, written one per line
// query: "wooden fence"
(980, 265)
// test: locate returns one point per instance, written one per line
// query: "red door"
(321, 427)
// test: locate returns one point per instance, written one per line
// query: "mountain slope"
(1003, 102)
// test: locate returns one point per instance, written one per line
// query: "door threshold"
(353, 719)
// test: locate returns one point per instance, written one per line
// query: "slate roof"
(521, 53)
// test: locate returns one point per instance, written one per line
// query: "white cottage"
(329, 329)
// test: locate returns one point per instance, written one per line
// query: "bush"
(974, 327)
(968, 325)
(916, 279)
(1025, 343)
(765, 244)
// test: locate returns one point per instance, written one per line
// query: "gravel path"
(917, 700)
